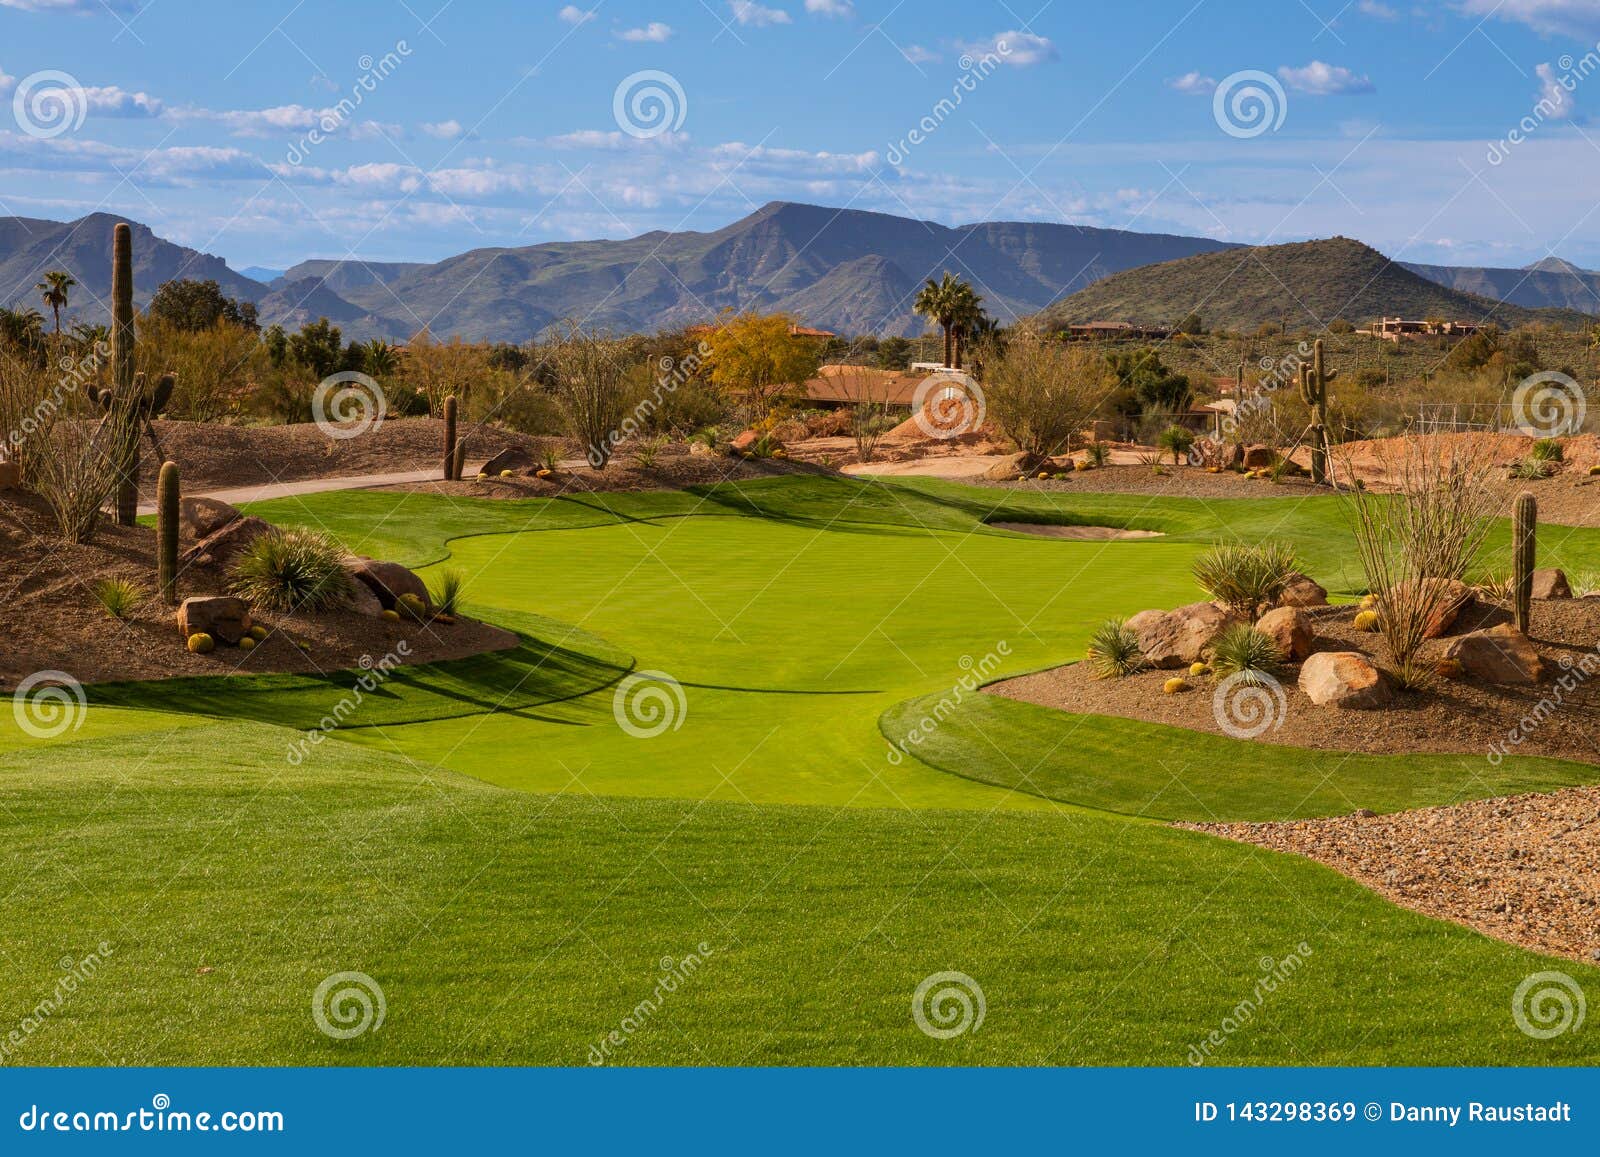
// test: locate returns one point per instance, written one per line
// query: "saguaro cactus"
(1524, 534)
(1314, 389)
(451, 471)
(167, 532)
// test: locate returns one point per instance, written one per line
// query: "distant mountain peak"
(1556, 265)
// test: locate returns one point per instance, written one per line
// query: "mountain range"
(847, 270)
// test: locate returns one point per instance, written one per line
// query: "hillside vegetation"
(1302, 286)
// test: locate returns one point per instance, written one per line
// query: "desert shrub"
(1244, 651)
(292, 570)
(1042, 393)
(1531, 468)
(1114, 650)
(119, 596)
(1097, 453)
(1177, 441)
(595, 386)
(1429, 531)
(647, 451)
(1546, 450)
(446, 593)
(1244, 577)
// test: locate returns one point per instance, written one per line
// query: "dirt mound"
(50, 619)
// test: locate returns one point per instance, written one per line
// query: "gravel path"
(1521, 868)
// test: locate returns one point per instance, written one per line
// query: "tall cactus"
(167, 533)
(1314, 389)
(1524, 534)
(125, 435)
(451, 474)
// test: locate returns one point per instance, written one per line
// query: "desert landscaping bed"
(1524, 868)
(51, 620)
(1453, 716)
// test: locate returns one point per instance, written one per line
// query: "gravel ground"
(1521, 868)
(1452, 717)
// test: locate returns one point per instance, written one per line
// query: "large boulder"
(1344, 679)
(199, 517)
(1500, 654)
(389, 581)
(363, 602)
(511, 458)
(744, 444)
(1259, 457)
(224, 545)
(223, 617)
(1290, 629)
(1302, 591)
(1551, 583)
(1012, 468)
(10, 476)
(1179, 637)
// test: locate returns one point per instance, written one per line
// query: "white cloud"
(1019, 49)
(1193, 84)
(67, 5)
(443, 130)
(1377, 9)
(574, 15)
(1555, 102)
(7, 83)
(917, 54)
(653, 33)
(1566, 17)
(112, 101)
(749, 13)
(830, 7)
(1320, 79)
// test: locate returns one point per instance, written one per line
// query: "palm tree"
(967, 317)
(53, 289)
(378, 356)
(21, 327)
(938, 301)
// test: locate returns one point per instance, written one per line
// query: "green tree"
(196, 305)
(757, 356)
(894, 353)
(941, 301)
(319, 347)
(54, 289)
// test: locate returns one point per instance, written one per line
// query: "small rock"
(1301, 591)
(199, 517)
(1551, 583)
(223, 617)
(389, 581)
(10, 476)
(700, 448)
(1500, 654)
(1344, 679)
(1364, 813)
(1290, 629)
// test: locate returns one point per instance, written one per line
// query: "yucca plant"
(1532, 468)
(1244, 577)
(1546, 450)
(119, 596)
(1114, 650)
(1244, 651)
(1097, 453)
(446, 592)
(293, 570)
(1177, 441)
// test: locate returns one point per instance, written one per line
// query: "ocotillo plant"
(451, 474)
(167, 533)
(1524, 532)
(1314, 389)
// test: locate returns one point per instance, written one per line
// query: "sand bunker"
(1081, 533)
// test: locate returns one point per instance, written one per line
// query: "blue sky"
(482, 122)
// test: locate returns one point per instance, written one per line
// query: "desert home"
(1395, 329)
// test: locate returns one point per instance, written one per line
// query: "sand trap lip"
(1081, 533)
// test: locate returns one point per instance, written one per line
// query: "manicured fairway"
(511, 863)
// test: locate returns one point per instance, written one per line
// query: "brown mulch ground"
(215, 456)
(1452, 717)
(51, 620)
(673, 468)
(1521, 868)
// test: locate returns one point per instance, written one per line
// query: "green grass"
(806, 620)
(506, 927)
